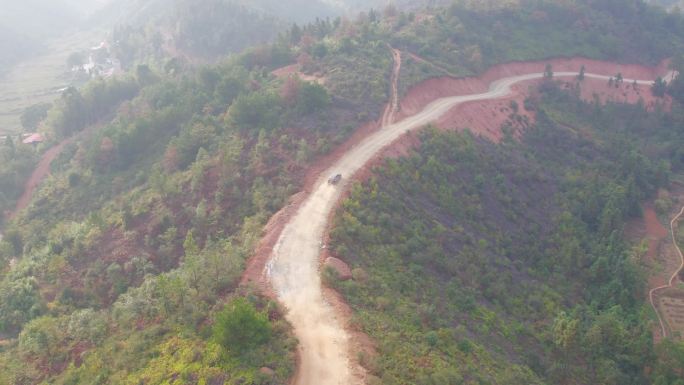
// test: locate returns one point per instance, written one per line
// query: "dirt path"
(39, 173)
(393, 106)
(293, 267)
(652, 293)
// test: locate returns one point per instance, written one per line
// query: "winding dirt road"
(652, 293)
(293, 267)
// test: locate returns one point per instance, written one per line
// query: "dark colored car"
(335, 179)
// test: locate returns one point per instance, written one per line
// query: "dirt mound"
(339, 267)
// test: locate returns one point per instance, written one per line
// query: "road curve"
(293, 267)
(670, 283)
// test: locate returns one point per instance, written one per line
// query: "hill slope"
(462, 251)
(130, 253)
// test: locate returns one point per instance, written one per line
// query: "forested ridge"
(124, 268)
(505, 263)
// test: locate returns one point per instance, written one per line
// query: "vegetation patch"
(504, 263)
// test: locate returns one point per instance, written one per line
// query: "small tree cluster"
(239, 327)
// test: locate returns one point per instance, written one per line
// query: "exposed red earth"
(652, 294)
(452, 103)
(655, 231)
(295, 70)
(433, 65)
(663, 261)
(424, 93)
(482, 117)
(324, 355)
(39, 173)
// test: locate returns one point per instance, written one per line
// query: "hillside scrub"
(146, 222)
(505, 263)
(174, 164)
(131, 248)
(16, 162)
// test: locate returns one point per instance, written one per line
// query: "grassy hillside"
(124, 268)
(477, 262)
(149, 220)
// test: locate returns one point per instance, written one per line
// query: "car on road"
(335, 179)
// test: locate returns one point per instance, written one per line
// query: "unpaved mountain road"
(39, 173)
(670, 283)
(42, 169)
(293, 267)
(393, 105)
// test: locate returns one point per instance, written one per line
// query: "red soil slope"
(484, 118)
(37, 176)
(422, 94)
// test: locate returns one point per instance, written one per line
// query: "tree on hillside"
(670, 363)
(676, 88)
(256, 110)
(19, 302)
(295, 34)
(72, 114)
(289, 91)
(580, 77)
(659, 87)
(548, 72)
(390, 11)
(75, 59)
(33, 115)
(319, 50)
(239, 327)
(312, 98)
(372, 16)
(145, 75)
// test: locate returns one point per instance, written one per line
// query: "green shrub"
(239, 327)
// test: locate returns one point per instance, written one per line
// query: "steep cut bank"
(293, 268)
